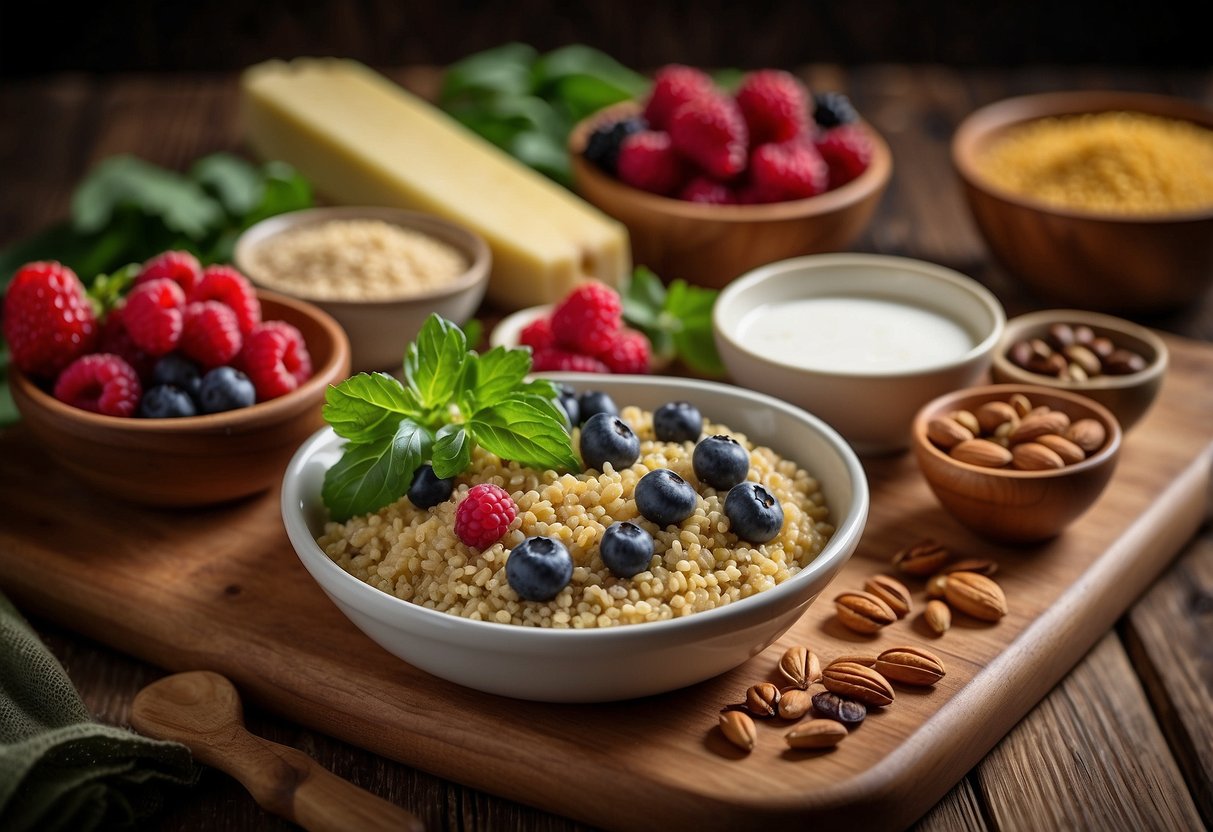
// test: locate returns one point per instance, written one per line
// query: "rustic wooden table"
(1124, 742)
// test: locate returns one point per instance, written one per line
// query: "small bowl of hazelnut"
(1016, 463)
(1113, 361)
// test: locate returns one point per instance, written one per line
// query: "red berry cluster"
(765, 143)
(585, 333)
(204, 318)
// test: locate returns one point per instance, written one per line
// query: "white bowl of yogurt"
(860, 340)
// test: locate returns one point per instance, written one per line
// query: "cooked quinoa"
(414, 554)
(1117, 162)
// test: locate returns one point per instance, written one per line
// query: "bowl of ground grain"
(706, 603)
(379, 272)
(1095, 200)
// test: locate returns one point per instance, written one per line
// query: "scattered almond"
(976, 595)
(795, 703)
(892, 591)
(982, 566)
(863, 612)
(922, 559)
(910, 666)
(858, 682)
(936, 585)
(762, 700)
(739, 729)
(938, 616)
(800, 666)
(816, 733)
(858, 658)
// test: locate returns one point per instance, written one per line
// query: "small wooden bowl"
(710, 245)
(197, 460)
(1109, 262)
(1128, 396)
(1004, 504)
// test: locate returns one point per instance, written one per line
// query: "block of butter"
(364, 140)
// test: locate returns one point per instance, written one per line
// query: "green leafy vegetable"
(677, 319)
(451, 399)
(526, 104)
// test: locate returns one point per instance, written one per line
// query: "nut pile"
(1074, 353)
(1016, 434)
(837, 696)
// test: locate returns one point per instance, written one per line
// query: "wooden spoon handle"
(289, 783)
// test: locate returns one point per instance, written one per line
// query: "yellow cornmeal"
(1117, 162)
(414, 554)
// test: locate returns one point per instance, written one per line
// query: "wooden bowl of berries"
(712, 185)
(192, 389)
(1116, 362)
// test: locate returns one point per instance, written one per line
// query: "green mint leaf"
(503, 70)
(434, 363)
(499, 374)
(528, 434)
(452, 451)
(238, 184)
(178, 202)
(473, 330)
(581, 95)
(372, 475)
(643, 299)
(8, 408)
(543, 152)
(580, 60)
(539, 387)
(368, 406)
(107, 289)
(692, 337)
(284, 189)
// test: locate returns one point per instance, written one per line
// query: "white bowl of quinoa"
(380, 272)
(709, 602)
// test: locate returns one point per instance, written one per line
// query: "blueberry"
(754, 513)
(721, 462)
(566, 397)
(225, 388)
(664, 497)
(538, 568)
(593, 402)
(626, 549)
(678, 422)
(606, 438)
(428, 490)
(179, 371)
(164, 401)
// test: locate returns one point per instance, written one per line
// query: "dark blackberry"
(831, 109)
(602, 147)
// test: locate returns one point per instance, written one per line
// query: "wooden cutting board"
(221, 589)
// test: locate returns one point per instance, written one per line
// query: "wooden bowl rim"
(1018, 327)
(953, 400)
(871, 181)
(981, 125)
(470, 244)
(259, 415)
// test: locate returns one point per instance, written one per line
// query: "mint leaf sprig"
(676, 319)
(451, 400)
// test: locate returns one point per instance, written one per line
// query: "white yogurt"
(853, 335)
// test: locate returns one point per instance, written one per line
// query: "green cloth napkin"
(58, 768)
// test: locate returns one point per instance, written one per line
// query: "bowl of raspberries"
(711, 184)
(183, 386)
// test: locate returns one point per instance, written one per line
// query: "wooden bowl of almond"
(1016, 463)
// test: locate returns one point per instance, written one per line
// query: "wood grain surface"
(56, 127)
(222, 590)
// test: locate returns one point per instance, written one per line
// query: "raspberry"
(711, 132)
(628, 354)
(674, 86)
(181, 267)
(537, 335)
(847, 150)
(831, 109)
(648, 161)
(587, 320)
(554, 358)
(101, 382)
(48, 321)
(210, 333)
(153, 315)
(115, 339)
(706, 189)
(775, 105)
(276, 359)
(602, 147)
(794, 169)
(231, 288)
(484, 515)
